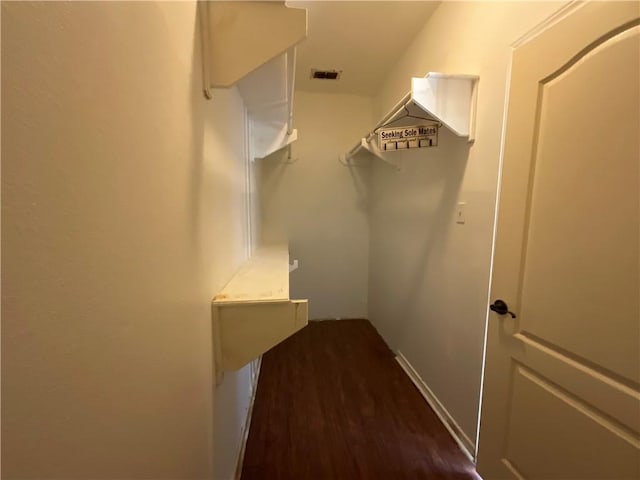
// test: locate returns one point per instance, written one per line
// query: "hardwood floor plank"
(333, 403)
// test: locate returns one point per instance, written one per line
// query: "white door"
(561, 394)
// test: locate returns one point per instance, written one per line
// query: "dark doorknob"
(501, 308)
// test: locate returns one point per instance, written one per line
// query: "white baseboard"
(463, 441)
(255, 374)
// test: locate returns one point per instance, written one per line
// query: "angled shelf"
(252, 45)
(449, 100)
(239, 37)
(253, 312)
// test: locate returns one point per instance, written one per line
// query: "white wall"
(429, 276)
(124, 211)
(321, 206)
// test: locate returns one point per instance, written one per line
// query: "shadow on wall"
(272, 175)
(317, 206)
(273, 179)
(411, 213)
(214, 181)
(447, 173)
(197, 134)
(361, 178)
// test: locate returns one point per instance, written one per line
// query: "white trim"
(496, 207)
(463, 441)
(255, 374)
(549, 22)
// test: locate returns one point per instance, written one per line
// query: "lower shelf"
(247, 330)
(253, 312)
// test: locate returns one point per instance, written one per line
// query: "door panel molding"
(531, 359)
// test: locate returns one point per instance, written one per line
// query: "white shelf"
(262, 278)
(449, 100)
(253, 312)
(239, 37)
(252, 45)
(268, 139)
(268, 96)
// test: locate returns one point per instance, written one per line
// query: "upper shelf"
(252, 45)
(449, 100)
(239, 37)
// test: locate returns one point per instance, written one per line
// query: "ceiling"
(361, 38)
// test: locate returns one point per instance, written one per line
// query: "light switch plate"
(461, 213)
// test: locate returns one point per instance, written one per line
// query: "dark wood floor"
(332, 403)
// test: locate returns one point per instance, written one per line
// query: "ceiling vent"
(326, 74)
